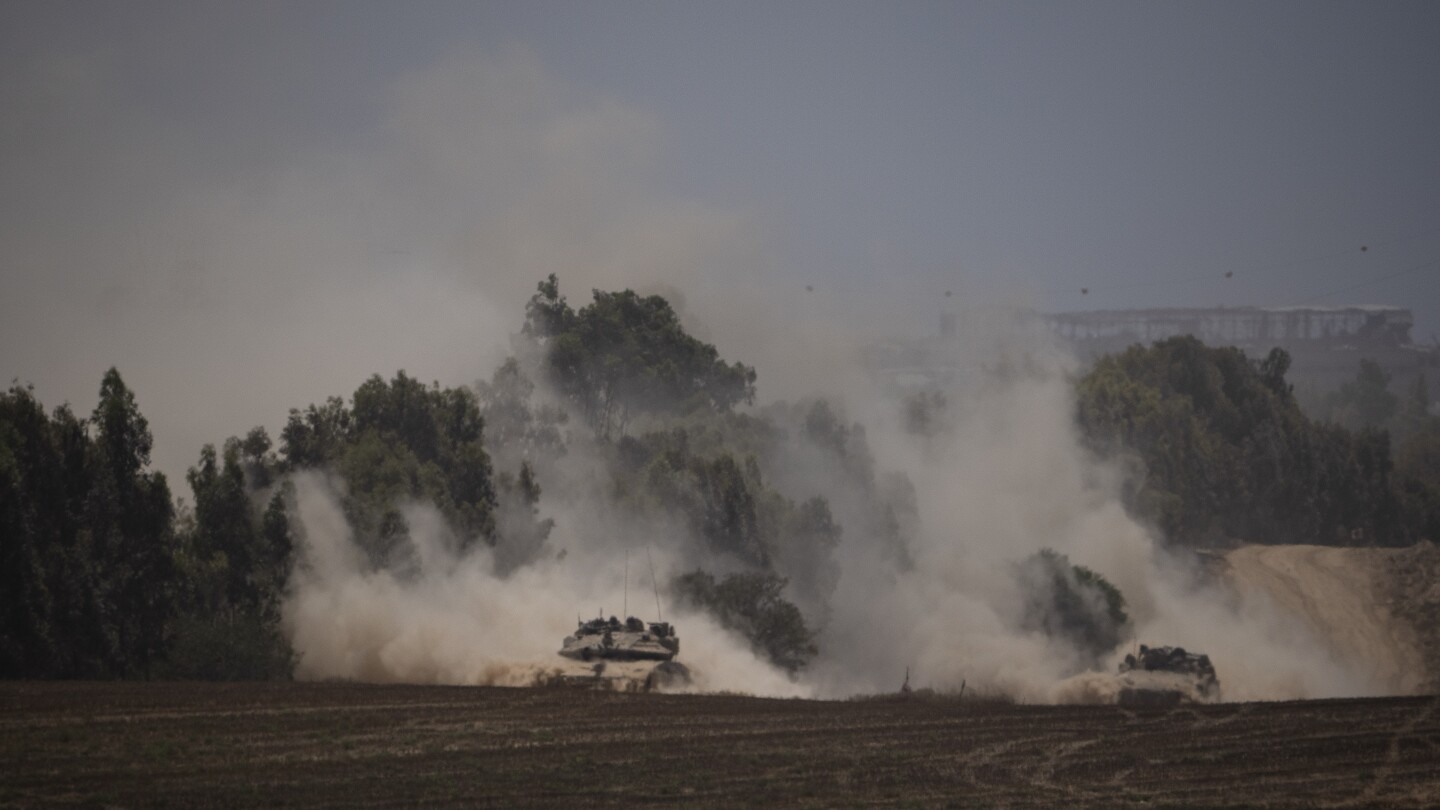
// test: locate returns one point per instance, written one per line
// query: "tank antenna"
(653, 582)
(626, 603)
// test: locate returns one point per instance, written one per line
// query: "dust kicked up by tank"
(822, 546)
(398, 346)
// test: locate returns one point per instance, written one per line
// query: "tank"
(1162, 677)
(630, 655)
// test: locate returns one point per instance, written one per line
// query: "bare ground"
(348, 744)
(1375, 607)
(1413, 591)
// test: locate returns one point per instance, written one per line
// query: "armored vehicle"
(1161, 677)
(628, 655)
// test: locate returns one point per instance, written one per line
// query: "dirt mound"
(1352, 598)
(1414, 575)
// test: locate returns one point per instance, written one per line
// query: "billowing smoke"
(1003, 478)
(453, 620)
(1001, 475)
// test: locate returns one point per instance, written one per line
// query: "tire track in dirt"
(1393, 756)
(196, 745)
(1044, 774)
(986, 756)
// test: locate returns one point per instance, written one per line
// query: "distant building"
(1246, 327)
(1325, 344)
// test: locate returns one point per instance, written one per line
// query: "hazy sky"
(247, 206)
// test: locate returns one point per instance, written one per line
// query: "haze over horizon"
(247, 207)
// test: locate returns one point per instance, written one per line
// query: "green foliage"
(1413, 417)
(730, 478)
(236, 562)
(88, 568)
(225, 528)
(751, 604)
(835, 458)
(1417, 476)
(1227, 453)
(625, 354)
(522, 532)
(229, 646)
(725, 500)
(261, 466)
(1366, 401)
(250, 552)
(810, 525)
(130, 515)
(719, 497)
(399, 440)
(316, 436)
(517, 429)
(1073, 603)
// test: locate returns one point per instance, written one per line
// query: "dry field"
(195, 745)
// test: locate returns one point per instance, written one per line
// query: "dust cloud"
(453, 620)
(1005, 477)
(229, 290)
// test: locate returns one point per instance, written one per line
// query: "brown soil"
(1414, 593)
(196, 745)
(1377, 606)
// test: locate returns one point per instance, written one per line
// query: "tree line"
(1221, 452)
(105, 574)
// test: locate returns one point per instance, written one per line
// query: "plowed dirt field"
(195, 745)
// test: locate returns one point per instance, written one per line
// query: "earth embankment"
(1368, 604)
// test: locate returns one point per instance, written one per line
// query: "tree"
(88, 575)
(625, 354)
(805, 545)
(873, 506)
(520, 532)
(401, 411)
(1272, 372)
(28, 473)
(1223, 450)
(400, 439)
(124, 435)
(1413, 416)
(547, 314)
(1417, 483)
(315, 437)
(1365, 401)
(1072, 603)
(130, 514)
(751, 604)
(225, 529)
(516, 429)
(720, 498)
(236, 563)
(261, 465)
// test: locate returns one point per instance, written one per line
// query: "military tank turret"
(1161, 677)
(630, 654)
